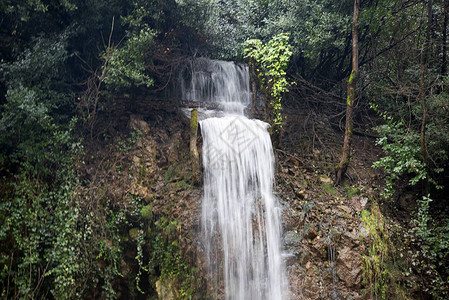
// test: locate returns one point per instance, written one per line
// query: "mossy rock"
(352, 191)
(329, 188)
(147, 212)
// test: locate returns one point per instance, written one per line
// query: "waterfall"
(215, 81)
(240, 215)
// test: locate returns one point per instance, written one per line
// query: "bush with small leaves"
(270, 62)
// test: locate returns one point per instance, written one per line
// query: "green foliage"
(167, 255)
(23, 111)
(161, 15)
(158, 252)
(437, 129)
(63, 238)
(40, 226)
(402, 154)
(429, 250)
(25, 8)
(17, 15)
(166, 251)
(34, 99)
(329, 188)
(147, 212)
(40, 64)
(387, 271)
(139, 258)
(126, 65)
(324, 28)
(428, 242)
(123, 66)
(392, 85)
(351, 190)
(380, 270)
(125, 145)
(270, 62)
(195, 13)
(316, 28)
(50, 234)
(392, 82)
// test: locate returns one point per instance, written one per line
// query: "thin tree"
(422, 86)
(346, 154)
(444, 38)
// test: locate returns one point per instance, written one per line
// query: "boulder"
(292, 238)
(136, 123)
(349, 267)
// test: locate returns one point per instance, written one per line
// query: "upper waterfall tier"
(215, 81)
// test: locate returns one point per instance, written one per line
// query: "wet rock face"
(156, 171)
(144, 164)
(323, 236)
(349, 268)
(166, 289)
(292, 239)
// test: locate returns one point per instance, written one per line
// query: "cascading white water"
(240, 215)
(215, 81)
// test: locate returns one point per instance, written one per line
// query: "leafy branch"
(270, 62)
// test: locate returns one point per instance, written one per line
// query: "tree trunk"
(352, 82)
(444, 50)
(195, 157)
(422, 87)
(253, 80)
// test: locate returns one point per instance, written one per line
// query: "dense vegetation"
(64, 62)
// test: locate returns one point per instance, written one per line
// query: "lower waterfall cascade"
(240, 214)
